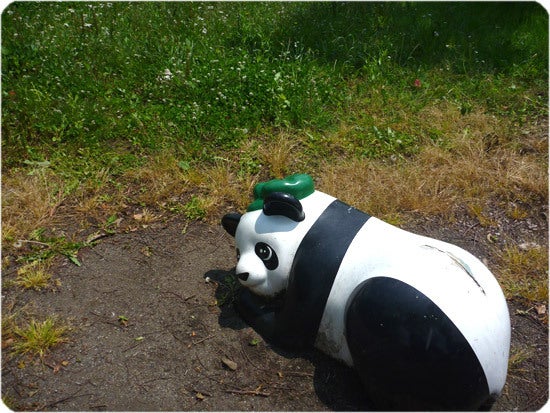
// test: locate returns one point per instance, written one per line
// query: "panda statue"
(424, 323)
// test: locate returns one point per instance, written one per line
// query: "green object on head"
(298, 185)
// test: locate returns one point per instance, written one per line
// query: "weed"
(37, 338)
(34, 275)
(476, 210)
(146, 217)
(518, 355)
(44, 247)
(229, 287)
(377, 143)
(523, 273)
(194, 208)
(110, 223)
(123, 320)
(517, 212)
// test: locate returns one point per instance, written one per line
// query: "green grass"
(180, 107)
(79, 78)
(183, 74)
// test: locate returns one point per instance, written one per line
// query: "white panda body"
(424, 322)
(444, 272)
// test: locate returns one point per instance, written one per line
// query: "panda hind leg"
(408, 353)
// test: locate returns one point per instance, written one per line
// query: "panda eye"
(264, 251)
(267, 255)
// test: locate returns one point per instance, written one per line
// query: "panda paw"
(256, 312)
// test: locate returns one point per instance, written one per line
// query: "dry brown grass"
(157, 181)
(29, 202)
(228, 183)
(34, 275)
(438, 179)
(518, 356)
(279, 154)
(220, 185)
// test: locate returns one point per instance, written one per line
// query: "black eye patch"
(267, 255)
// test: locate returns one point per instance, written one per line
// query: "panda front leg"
(276, 320)
(257, 313)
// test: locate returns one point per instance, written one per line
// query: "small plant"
(145, 217)
(229, 288)
(44, 247)
(517, 357)
(517, 212)
(110, 223)
(37, 338)
(123, 320)
(524, 272)
(34, 275)
(194, 209)
(476, 210)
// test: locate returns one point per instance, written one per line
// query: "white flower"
(166, 75)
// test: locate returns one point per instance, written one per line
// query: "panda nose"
(243, 276)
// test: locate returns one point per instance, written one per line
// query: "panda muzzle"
(243, 276)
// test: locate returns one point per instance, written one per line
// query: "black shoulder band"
(314, 269)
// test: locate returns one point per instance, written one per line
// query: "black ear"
(230, 222)
(281, 203)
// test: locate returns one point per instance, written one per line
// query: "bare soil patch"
(154, 329)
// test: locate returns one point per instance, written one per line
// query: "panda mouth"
(243, 276)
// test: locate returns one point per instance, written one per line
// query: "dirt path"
(153, 325)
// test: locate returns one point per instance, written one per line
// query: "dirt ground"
(154, 329)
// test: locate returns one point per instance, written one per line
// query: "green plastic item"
(298, 185)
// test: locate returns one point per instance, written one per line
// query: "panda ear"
(281, 203)
(230, 222)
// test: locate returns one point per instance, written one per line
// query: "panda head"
(266, 243)
(268, 235)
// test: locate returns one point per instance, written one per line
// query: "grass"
(517, 357)
(37, 338)
(34, 275)
(438, 178)
(151, 110)
(524, 272)
(29, 199)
